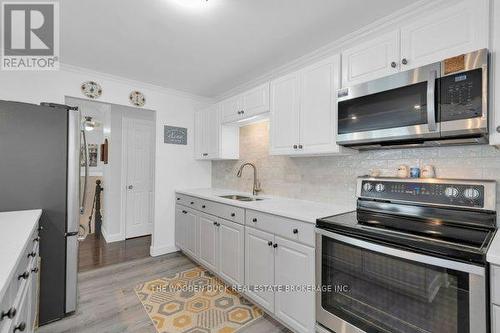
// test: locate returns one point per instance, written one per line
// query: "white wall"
(175, 166)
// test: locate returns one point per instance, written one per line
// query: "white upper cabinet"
(246, 105)
(285, 114)
(458, 29)
(370, 60)
(303, 111)
(214, 141)
(318, 109)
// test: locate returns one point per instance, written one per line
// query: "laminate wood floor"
(94, 252)
(107, 302)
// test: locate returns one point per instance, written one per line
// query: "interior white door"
(370, 60)
(138, 146)
(318, 84)
(232, 252)
(285, 115)
(294, 266)
(458, 29)
(259, 266)
(208, 241)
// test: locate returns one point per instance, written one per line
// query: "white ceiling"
(209, 49)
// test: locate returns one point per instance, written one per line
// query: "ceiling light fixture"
(192, 4)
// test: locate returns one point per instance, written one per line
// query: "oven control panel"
(441, 194)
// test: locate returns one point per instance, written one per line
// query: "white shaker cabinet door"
(211, 132)
(255, 101)
(370, 60)
(208, 241)
(318, 119)
(285, 115)
(259, 266)
(231, 109)
(179, 227)
(294, 266)
(232, 252)
(190, 229)
(460, 28)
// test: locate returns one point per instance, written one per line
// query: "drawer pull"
(295, 231)
(275, 245)
(203, 206)
(184, 212)
(233, 214)
(32, 254)
(25, 275)
(215, 223)
(270, 243)
(35, 270)
(192, 203)
(254, 219)
(178, 199)
(9, 314)
(21, 327)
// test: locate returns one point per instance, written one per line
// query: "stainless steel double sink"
(240, 197)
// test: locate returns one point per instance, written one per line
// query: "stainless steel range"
(411, 258)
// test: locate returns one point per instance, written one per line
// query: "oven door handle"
(431, 101)
(402, 254)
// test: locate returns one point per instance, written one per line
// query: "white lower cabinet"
(231, 250)
(208, 241)
(294, 267)
(495, 311)
(272, 252)
(259, 266)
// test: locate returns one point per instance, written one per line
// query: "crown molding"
(392, 20)
(134, 83)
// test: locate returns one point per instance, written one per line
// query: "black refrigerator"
(40, 168)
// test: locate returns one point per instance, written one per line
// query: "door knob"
(130, 187)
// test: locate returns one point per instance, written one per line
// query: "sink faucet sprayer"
(256, 183)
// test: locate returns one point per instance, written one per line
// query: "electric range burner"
(443, 217)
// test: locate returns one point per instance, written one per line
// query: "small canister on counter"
(415, 172)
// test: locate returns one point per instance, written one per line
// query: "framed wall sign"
(175, 135)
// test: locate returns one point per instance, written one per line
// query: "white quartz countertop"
(16, 229)
(493, 254)
(307, 211)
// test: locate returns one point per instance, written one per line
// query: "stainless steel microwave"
(439, 104)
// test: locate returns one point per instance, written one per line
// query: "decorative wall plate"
(137, 98)
(91, 89)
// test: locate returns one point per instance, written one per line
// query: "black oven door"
(402, 106)
(368, 287)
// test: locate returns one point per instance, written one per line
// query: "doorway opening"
(116, 182)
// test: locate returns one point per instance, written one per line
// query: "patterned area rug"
(195, 301)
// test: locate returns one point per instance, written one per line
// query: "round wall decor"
(91, 89)
(137, 98)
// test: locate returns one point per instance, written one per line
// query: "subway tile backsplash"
(333, 178)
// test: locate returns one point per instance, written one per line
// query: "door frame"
(124, 170)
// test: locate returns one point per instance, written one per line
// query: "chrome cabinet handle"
(431, 110)
(35, 270)
(393, 64)
(404, 61)
(24, 276)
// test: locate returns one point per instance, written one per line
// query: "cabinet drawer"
(281, 226)
(187, 200)
(228, 212)
(495, 284)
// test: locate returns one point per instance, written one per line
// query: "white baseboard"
(158, 251)
(111, 238)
